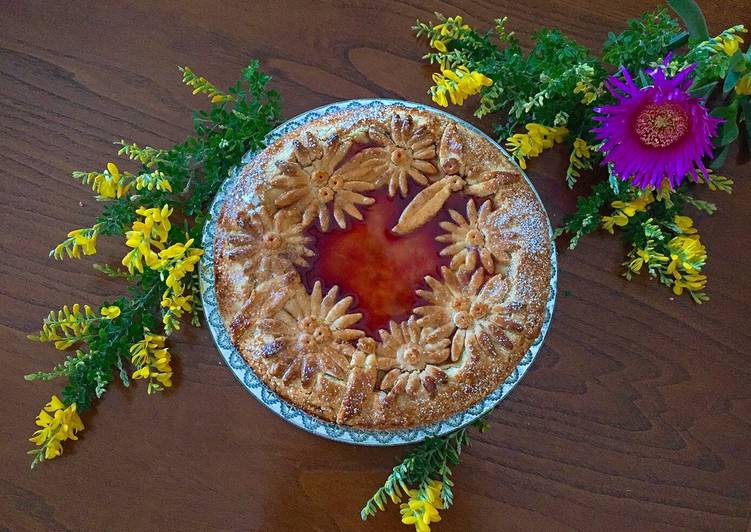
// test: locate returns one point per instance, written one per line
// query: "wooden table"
(636, 415)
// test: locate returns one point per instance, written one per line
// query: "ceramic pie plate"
(299, 417)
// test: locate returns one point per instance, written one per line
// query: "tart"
(382, 267)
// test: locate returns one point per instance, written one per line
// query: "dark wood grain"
(636, 415)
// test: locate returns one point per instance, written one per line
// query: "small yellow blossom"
(638, 204)
(155, 180)
(147, 234)
(685, 224)
(57, 423)
(110, 312)
(646, 256)
(743, 86)
(178, 260)
(78, 241)
(729, 43)
(67, 327)
(451, 27)
(687, 255)
(692, 282)
(112, 184)
(625, 210)
(175, 304)
(422, 509)
(532, 143)
(663, 192)
(438, 45)
(609, 222)
(588, 94)
(581, 149)
(457, 85)
(152, 359)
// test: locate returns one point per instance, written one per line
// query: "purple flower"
(655, 132)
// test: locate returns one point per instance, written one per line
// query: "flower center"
(319, 177)
(325, 194)
(462, 320)
(474, 237)
(322, 334)
(661, 125)
(272, 240)
(307, 342)
(399, 156)
(412, 355)
(308, 324)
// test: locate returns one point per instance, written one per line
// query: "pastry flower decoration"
(462, 305)
(472, 238)
(312, 179)
(310, 335)
(457, 177)
(261, 236)
(405, 152)
(408, 355)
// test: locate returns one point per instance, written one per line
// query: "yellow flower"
(438, 45)
(532, 143)
(112, 184)
(457, 85)
(693, 282)
(147, 234)
(581, 149)
(685, 224)
(729, 43)
(180, 268)
(111, 312)
(687, 255)
(57, 423)
(639, 204)
(422, 509)
(625, 210)
(177, 303)
(66, 327)
(78, 241)
(155, 180)
(451, 26)
(153, 362)
(589, 93)
(743, 87)
(645, 256)
(609, 222)
(662, 193)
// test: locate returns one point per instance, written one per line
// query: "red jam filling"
(379, 269)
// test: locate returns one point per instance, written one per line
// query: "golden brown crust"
(476, 320)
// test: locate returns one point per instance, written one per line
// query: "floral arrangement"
(658, 110)
(657, 104)
(159, 211)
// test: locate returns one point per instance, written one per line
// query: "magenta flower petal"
(655, 132)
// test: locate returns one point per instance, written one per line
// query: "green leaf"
(728, 131)
(719, 158)
(733, 72)
(704, 90)
(746, 109)
(692, 17)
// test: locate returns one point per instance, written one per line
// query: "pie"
(382, 266)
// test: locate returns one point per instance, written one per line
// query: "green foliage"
(586, 218)
(644, 43)
(430, 460)
(185, 177)
(559, 83)
(692, 17)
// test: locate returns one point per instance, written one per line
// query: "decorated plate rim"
(296, 415)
